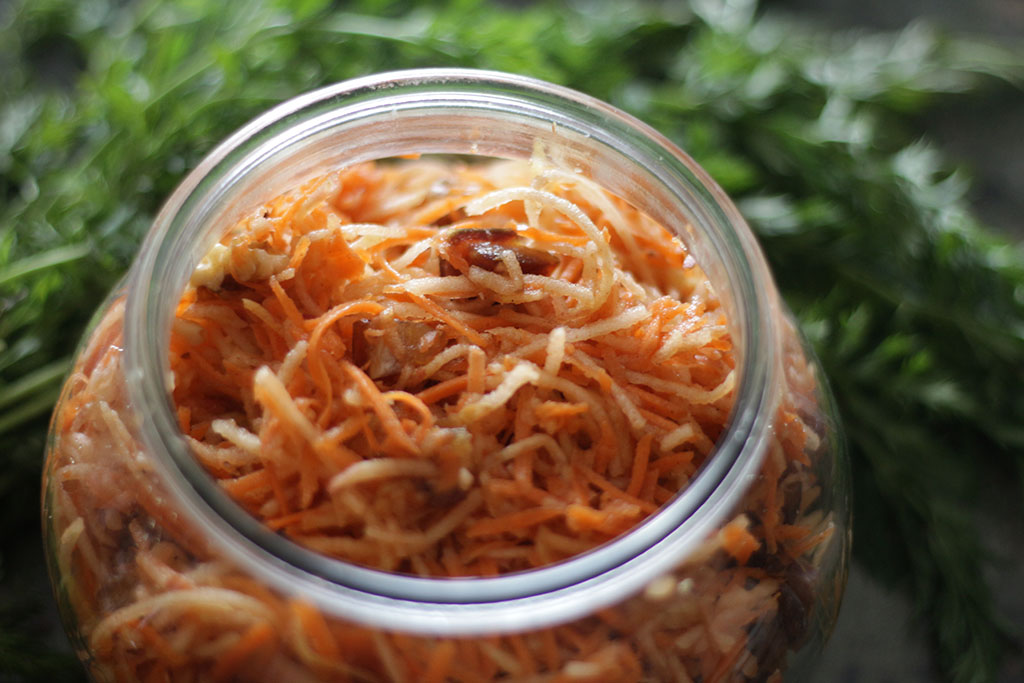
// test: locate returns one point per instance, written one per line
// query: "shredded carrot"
(512, 522)
(443, 390)
(552, 410)
(483, 382)
(584, 518)
(316, 363)
(435, 310)
(290, 309)
(171, 657)
(440, 663)
(260, 635)
(811, 542)
(313, 625)
(370, 391)
(643, 454)
(613, 490)
(242, 486)
(738, 541)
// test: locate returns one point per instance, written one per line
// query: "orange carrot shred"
(258, 636)
(312, 623)
(738, 541)
(515, 521)
(640, 460)
(440, 663)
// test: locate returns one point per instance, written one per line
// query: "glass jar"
(219, 596)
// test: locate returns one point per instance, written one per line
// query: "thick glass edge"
(530, 598)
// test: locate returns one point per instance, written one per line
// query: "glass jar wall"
(161, 575)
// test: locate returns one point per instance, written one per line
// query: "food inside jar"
(444, 370)
(447, 369)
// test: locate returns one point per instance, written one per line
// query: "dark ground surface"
(875, 640)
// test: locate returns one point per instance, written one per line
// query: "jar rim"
(515, 601)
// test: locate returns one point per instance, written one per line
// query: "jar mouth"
(345, 123)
